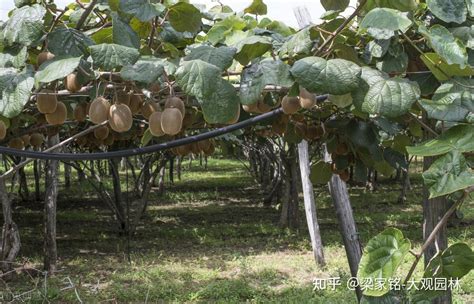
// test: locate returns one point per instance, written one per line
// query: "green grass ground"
(208, 239)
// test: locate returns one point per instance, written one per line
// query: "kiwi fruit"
(59, 116)
(341, 149)
(3, 130)
(314, 132)
(155, 124)
(236, 117)
(182, 150)
(36, 139)
(175, 102)
(188, 120)
(101, 133)
(307, 99)
(263, 107)
(195, 148)
(136, 102)
(204, 145)
(251, 108)
(16, 143)
(279, 127)
(210, 150)
(171, 121)
(46, 101)
(80, 112)
(148, 108)
(154, 87)
(44, 56)
(120, 118)
(123, 97)
(99, 110)
(345, 175)
(109, 141)
(26, 140)
(72, 83)
(290, 104)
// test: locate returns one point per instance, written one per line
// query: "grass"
(208, 239)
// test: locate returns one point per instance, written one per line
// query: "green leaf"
(142, 9)
(335, 5)
(258, 75)
(198, 78)
(104, 35)
(14, 56)
(341, 101)
(16, 91)
(68, 41)
(452, 101)
(25, 25)
(460, 137)
(222, 105)
(57, 68)
(451, 49)
(220, 30)
(256, 8)
(448, 174)
(368, 78)
(222, 57)
(146, 70)
(448, 10)
(146, 138)
(391, 97)
(454, 262)
(111, 56)
(252, 47)
(334, 76)
(123, 34)
(394, 61)
(401, 5)
(298, 43)
(381, 258)
(382, 23)
(441, 69)
(321, 172)
(185, 17)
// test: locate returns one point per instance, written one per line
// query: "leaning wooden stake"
(309, 204)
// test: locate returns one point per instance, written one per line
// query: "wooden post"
(309, 204)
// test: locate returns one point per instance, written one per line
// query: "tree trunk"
(50, 247)
(10, 243)
(118, 199)
(290, 214)
(309, 204)
(67, 176)
(36, 174)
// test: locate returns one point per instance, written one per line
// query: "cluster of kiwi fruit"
(342, 150)
(35, 140)
(54, 111)
(207, 147)
(166, 122)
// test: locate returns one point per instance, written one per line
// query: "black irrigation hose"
(145, 150)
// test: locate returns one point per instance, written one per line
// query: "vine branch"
(86, 14)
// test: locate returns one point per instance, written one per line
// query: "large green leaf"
(320, 172)
(449, 10)
(401, 5)
(220, 30)
(142, 9)
(257, 7)
(452, 101)
(185, 17)
(16, 91)
(146, 70)
(391, 97)
(368, 78)
(25, 25)
(221, 57)
(448, 174)
(442, 70)
(298, 43)
(451, 49)
(334, 76)
(123, 34)
(14, 56)
(381, 258)
(198, 78)
(460, 137)
(68, 41)
(382, 23)
(252, 47)
(335, 5)
(110, 56)
(394, 61)
(57, 68)
(258, 75)
(222, 105)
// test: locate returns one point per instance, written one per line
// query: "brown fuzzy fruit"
(44, 56)
(342, 149)
(36, 139)
(263, 107)
(101, 133)
(80, 112)
(314, 132)
(290, 104)
(195, 148)
(136, 102)
(59, 116)
(72, 83)
(210, 150)
(148, 108)
(182, 150)
(46, 101)
(177, 103)
(236, 117)
(123, 97)
(307, 99)
(204, 145)
(155, 87)
(99, 110)
(26, 139)
(171, 121)
(109, 141)
(120, 118)
(345, 175)
(251, 108)
(16, 143)
(188, 120)
(279, 127)
(300, 129)
(155, 124)
(3, 130)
